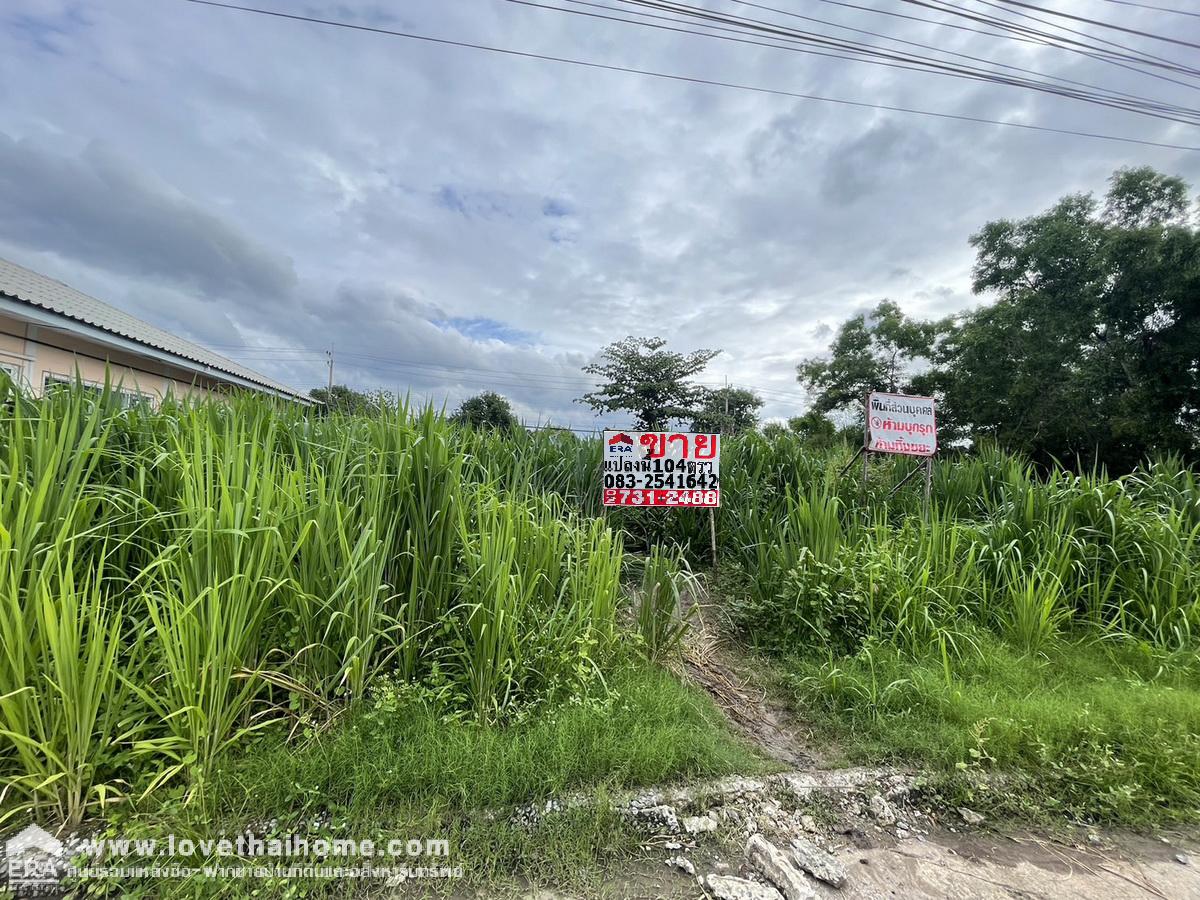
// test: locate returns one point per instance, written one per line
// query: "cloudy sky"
(451, 220)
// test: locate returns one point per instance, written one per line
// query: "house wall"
(13, 354)
(40, 353)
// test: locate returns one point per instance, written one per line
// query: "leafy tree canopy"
(814, 428)
(486, 410)
(728, 410)
(1092, 348)
(773, 430)
(640, 376)
(343, 399)
(875, 351)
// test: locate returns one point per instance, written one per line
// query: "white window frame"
(130, 397)
(57, 379)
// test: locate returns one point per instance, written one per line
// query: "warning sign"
(661, 468)
(898, 423)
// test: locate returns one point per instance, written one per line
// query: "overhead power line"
(797, 95)
(1098, 54)
(930, 47)
(867, 53)
(993, 4)
(1112, 26)
(1091, 44)
(1165, 9)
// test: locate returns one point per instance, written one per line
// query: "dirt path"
(871, 822)
(888, 848)
(708, 663)
(1028, 866)
(983, 867)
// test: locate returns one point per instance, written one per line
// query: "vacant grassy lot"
(216, 614)
(397, 767)
(1102, 733)
(1042, 625)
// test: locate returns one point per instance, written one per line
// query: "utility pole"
(329, 362)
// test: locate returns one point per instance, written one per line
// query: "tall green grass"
(1093, 729)
(1030, 556)
(173, 580)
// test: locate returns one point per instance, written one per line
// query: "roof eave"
(50, 318)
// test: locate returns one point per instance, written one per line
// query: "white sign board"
(661, 468)
(898, 423)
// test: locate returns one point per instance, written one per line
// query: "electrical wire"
(1165, 9)
(334, 23)
(930, 47)
(1138, 108)
(1084, 34)
(1128, 54)
(879, 56)
(1112, 26)
(1103, 57)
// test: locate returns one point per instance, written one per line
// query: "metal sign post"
(928, 487)
(712, 531)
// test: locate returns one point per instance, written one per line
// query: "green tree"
(641, 377)
(814, 428)
(1092, 348)
(877, 351)
(773, 431)
(728, 410)
(343, 399)
(486, 410)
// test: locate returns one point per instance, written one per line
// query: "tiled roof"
(38, 290)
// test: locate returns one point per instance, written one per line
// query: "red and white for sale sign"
(661, 468)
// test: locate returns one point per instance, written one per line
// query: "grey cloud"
(855, 168)
(717, 218)
(377, 302)
(102, 209)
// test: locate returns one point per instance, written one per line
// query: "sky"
(449, 220)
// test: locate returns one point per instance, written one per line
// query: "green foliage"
(1095, 731)
(403, 751)
(641, 377)
(403, 763)
(728, 410)
(486, 410)
(814, 428)
(172, 581)
(875, 351)
(1090, 352)
(1029, 558)
(1091, 349)
(661, 620)
(346, 400)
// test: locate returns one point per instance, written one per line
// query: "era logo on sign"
(620, 443)
(34, 857)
